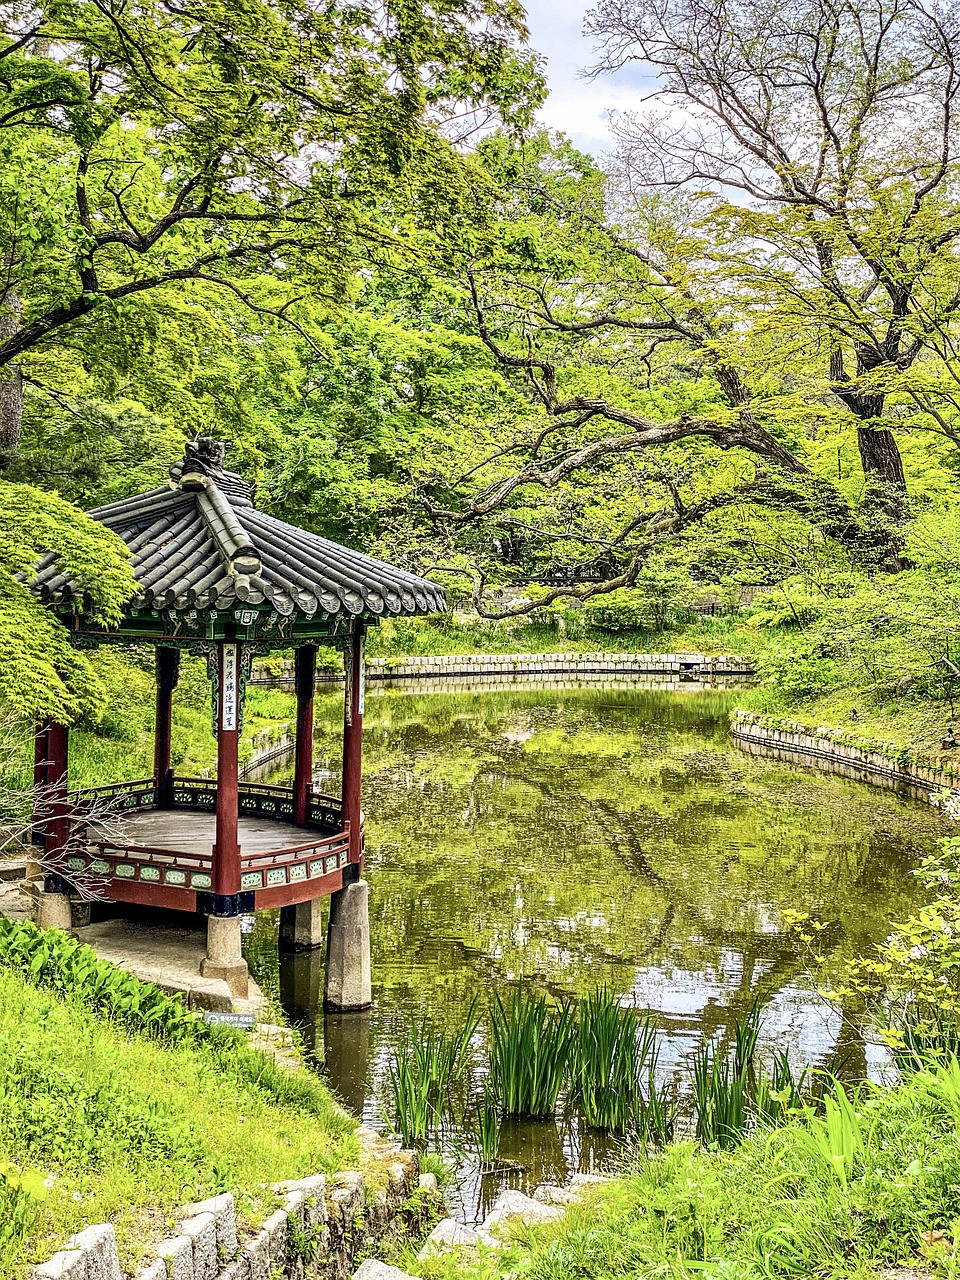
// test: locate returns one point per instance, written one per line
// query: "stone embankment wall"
(836, 752)
(551, 667)
(319, 1229)
(545, 666)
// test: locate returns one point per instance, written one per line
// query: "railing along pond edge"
(836, 751)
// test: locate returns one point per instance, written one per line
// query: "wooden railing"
(144, 865)
(270, 869)
(295, 864)
(126, 795)
(320, 856)
(261, 800)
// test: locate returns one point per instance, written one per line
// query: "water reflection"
(573, 838)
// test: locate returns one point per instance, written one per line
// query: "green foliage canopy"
(42, 674)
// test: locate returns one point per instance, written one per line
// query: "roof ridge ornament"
(202, 462)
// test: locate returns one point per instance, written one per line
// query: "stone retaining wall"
(886, 766)
(542, 683)
(319, 1229)
(546, 666)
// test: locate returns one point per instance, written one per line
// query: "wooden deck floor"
(186, 831)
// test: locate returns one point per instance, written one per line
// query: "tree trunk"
(883, 467)
(11, 380)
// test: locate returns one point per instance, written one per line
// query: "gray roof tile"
(200, 542)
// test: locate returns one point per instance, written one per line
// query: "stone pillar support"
(224, 958)
(53, 910)
(347, 984)
(301, 926)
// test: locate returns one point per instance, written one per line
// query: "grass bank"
(873, 1183)
(117, 1104)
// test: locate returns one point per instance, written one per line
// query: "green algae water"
(570, 839)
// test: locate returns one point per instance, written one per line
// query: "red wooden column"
(352, 739)
(168, 670)
(226, 849)
(58, 822)
(40, 760)
(305, 674)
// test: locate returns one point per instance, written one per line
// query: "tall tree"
(263, 148)
(652, 404)
(828, 129)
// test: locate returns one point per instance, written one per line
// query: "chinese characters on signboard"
(228, 693)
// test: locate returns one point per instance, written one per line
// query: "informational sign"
(363, 683)
(244, 1021)
(228, 692)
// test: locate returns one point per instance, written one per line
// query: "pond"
(572, 839)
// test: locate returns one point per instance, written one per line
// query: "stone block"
(449, 1235)
(347, 1194)
(255, 1252)
(294, 1205)
(66, 1264)
(371, 1269)
(202, 1231)
(99, 1247)
(238, 1269)
(177, 1257)
(514, 1204)
(155, 1271)
(549, 1193)
(427, 1182)
(275, 1229)
(225, 1218)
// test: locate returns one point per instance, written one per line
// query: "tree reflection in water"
(572, 839)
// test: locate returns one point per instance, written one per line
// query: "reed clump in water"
(613, 1068)
(733, 1095)
(530, 1048)
(595, 1055)
(423, 1075)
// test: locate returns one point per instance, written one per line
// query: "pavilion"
(219, 578)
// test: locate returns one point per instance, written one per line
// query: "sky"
(576, 106)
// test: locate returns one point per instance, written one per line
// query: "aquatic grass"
(487, 1128)
(924, 1035)
(530, 1046)
(654, 1112)
(746, 1034)
(422, 1073)
(410, 1094)
(610, 1050)
(734, 1094)
(778, 1093)
(720, 1089)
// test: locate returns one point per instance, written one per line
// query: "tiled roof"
(199, 542)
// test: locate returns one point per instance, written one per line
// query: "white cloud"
(577, 106)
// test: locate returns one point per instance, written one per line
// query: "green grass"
(102, 1122)
(838, 1194)
(613, 1052)
(430, 637)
